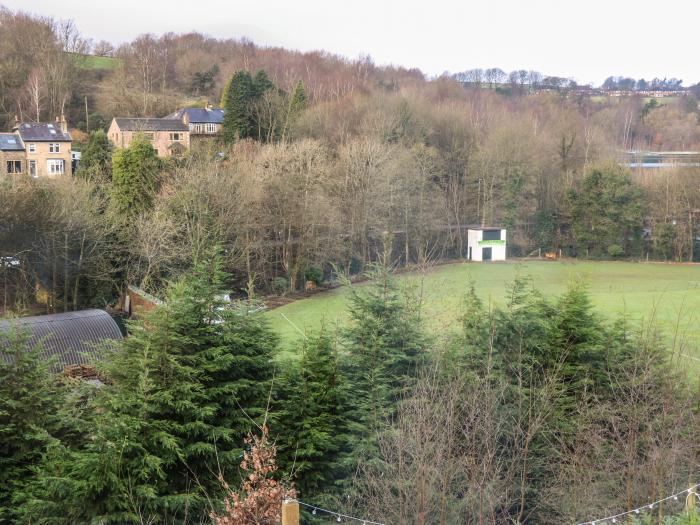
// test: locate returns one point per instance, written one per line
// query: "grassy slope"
(639, 290)
(95, 62)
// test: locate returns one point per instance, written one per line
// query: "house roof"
(71, 338)
(42, 132)
(11, 142)
(483, 227)
(199, 115)
(150, 124)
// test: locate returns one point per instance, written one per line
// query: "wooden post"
(690, 500)
(290, 512)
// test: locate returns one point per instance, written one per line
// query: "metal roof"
(42, 132)
(72, 338)
(150, 124)
(11, 142)
(199, 115)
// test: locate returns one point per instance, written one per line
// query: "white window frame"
(210, 128)
(54, 147)
(55, 166)
(32, 147)
(32, 168)
(175, 136)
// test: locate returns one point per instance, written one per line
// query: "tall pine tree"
(34, 416)
(184, 389)
(298, 101)
(310, 422)
(240, 92)
(385, 344)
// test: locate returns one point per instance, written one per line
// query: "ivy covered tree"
(96, 159)
(134, 179)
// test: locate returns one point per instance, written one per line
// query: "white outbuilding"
(486, 243)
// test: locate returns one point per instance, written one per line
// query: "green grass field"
(95, 62)
(670, 293)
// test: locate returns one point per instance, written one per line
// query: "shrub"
(315, 274)
(615, 250)
(280, 285)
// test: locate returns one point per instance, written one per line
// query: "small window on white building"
(54, 147)
(32, 147)
(211, 128)
(55, 166)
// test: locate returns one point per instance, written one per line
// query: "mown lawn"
(642, 291)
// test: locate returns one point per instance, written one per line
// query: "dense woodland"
(537, 412)
(325, 162)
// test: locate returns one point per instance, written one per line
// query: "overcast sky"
(585, 39)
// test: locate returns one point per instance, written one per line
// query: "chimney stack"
(16, 122)
(64, 123)
(208, 105)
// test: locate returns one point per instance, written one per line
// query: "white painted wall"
(476, 244)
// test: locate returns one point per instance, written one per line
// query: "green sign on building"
(492, 243)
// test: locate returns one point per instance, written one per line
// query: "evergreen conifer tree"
(32, 418)
(184, 387)
(311, 424)
(298, 101)
(237, 117)
(96, 160)
(385, 344)
(261, 84)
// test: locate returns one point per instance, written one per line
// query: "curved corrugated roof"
(72, 338)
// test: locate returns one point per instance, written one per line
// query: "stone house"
(12, 156)
(170, 137)
(202, 122)
(38, 149)
(47, 147)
